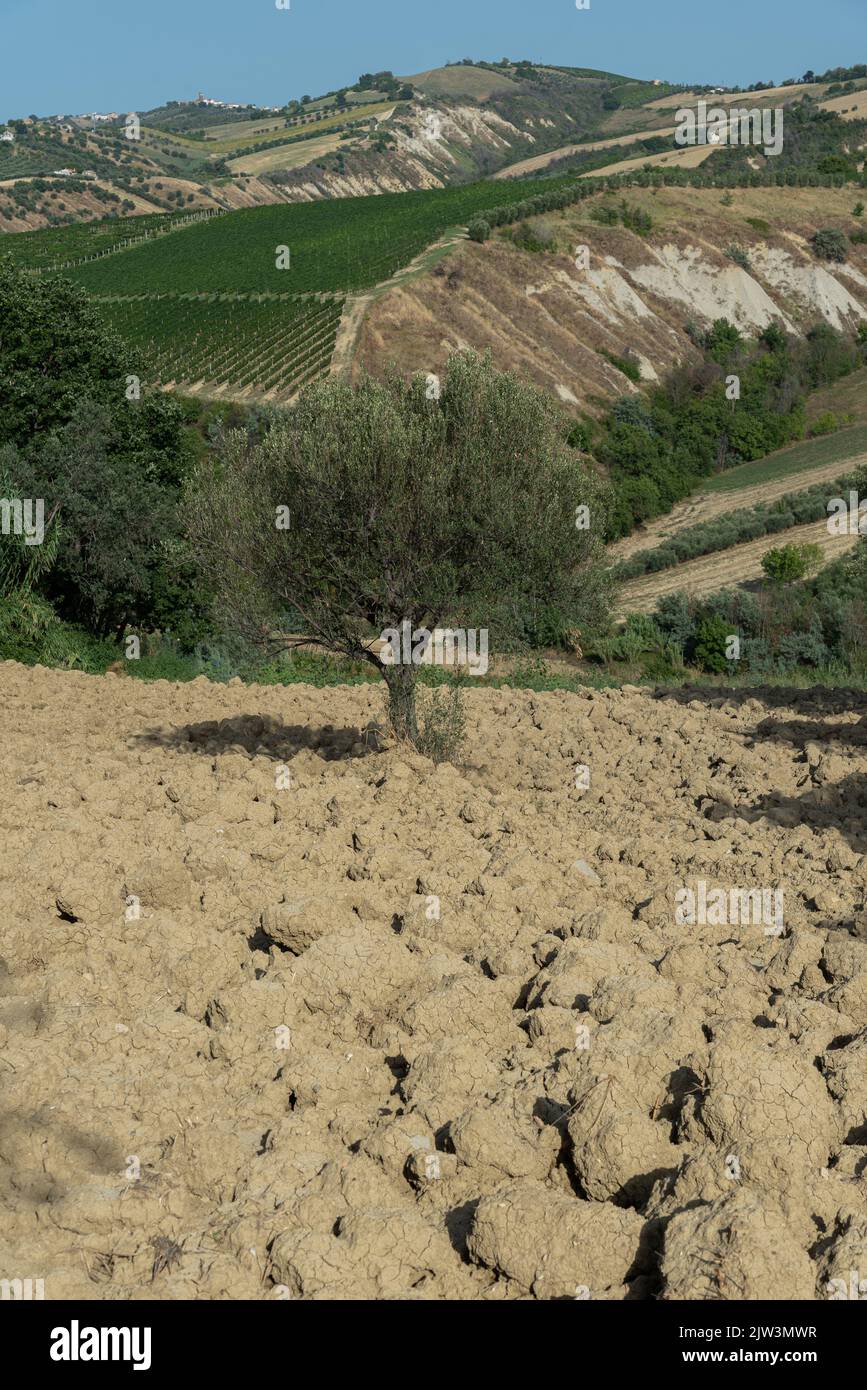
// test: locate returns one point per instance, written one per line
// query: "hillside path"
(357, 305)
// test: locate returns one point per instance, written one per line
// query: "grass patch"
(162, 661)
(799, 458)
(627, 365)
(846, 397)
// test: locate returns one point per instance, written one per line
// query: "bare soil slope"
(287, 1015)
(552, 323)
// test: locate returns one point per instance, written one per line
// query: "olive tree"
(423, 502)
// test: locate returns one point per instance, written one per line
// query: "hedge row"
(555, 200)
(748, 524)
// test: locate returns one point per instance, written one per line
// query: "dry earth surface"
(287, 1012)
(788, 94)
(682, 159)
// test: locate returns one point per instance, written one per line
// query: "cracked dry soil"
(287, 1014)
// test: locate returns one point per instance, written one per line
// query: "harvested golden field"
(727, 569)
(239, 136)
(479, 84)
(541, 161)
(703, 506)
(679, 159)
(293, 155)
(852, 107)
(786, 94)
(287, 1012)
(229, 130)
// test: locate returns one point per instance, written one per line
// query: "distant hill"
(433, 129)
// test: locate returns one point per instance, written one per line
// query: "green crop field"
(273, 346)
(190, 304)
(56, 245)
(340, 244)
(813, 453)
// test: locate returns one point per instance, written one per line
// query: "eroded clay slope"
(559, 325)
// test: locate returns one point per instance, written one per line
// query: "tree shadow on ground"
(814, 728)
(818, 701)
(259, 734)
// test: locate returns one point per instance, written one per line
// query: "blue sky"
(81, 55)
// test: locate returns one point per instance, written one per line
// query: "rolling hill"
(436, 128)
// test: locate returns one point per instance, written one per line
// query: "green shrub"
(627, 365)
(537, 235)
(791, 562)
(829, 244)
(826, 423)
(711, 642)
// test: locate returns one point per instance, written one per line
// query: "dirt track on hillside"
(541, 161)
(287, 1015)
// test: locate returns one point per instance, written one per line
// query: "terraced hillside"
(826, 468)
(727, 569)
(248, 304)
(766, 480)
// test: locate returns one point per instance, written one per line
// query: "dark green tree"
(107, 461)
(457, 504)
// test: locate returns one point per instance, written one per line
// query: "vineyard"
(209, 308)
(60, 246)
(341, 244)
(271, 346)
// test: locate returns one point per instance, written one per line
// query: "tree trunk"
(401, 682)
